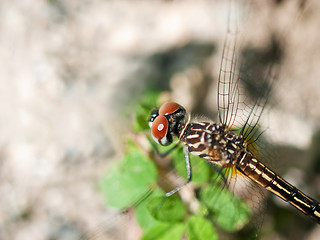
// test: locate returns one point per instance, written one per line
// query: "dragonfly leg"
(164, 154)
(220, 174)
(188, 166)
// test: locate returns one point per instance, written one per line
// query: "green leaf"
(165, 231)
(143, 215)
(199, 228)
(229, 211)
(170, 209)
(143, 111)
(130, 181)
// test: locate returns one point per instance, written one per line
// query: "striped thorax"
(213, 142)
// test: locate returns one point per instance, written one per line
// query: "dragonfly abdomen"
(264, 176)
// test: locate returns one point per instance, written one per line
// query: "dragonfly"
(226, 149)
(219, 143)
(229, 144)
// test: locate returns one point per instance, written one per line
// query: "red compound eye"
(168, 108)
(159, 127)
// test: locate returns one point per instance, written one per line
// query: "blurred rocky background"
(72, 71)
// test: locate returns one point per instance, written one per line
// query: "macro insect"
(224, 148)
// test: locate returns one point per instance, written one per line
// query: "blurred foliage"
(143, 110)
(133, 182)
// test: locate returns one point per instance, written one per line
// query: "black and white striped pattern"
(213, 142)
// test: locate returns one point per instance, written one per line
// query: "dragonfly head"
(164, 122)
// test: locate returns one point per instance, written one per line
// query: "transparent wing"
(245, 79)
(228, 90)
(252, 105)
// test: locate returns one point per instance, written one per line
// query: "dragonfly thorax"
(213, 142)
